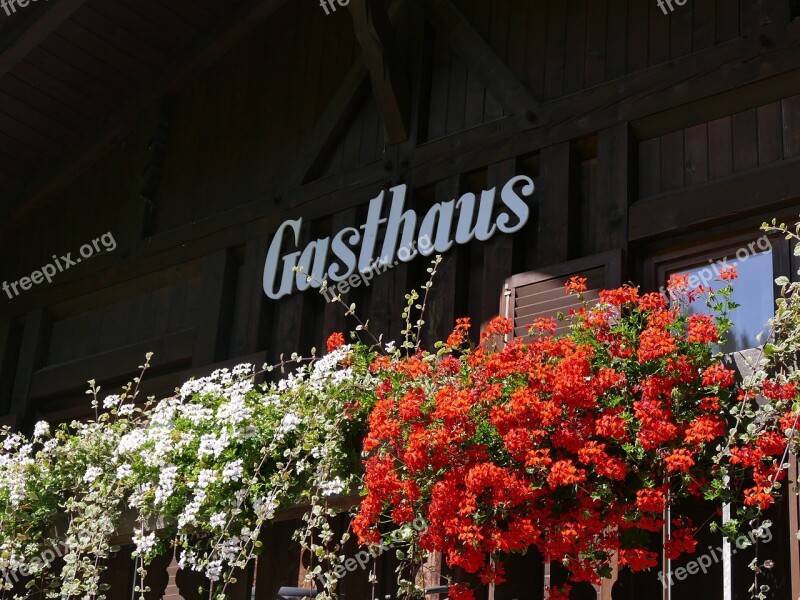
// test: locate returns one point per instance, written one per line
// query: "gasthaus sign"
(337, 257)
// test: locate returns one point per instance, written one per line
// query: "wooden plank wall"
(608, 177)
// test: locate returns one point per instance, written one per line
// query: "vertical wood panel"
(482, 13)
(610, 209)
(445, 304)
(638, 35)
(649, 167)
(791, 126)
(556, 48)
(696, 149)
(498, 40)
(558, 189)
(576, 45)
(536, 48)
(617, 52)
(770, 133)
(457, 95)
(292, 316)
(9, 350)
(517, 30)
(745, 141)
(524, 577)
(440, 86)
(720, 156)
(588, 195)
(334, 318)
(35, 337)
(279, 565)
(250, 313)
(704, 25)
(214, 322)
(672, 166)
(681, 30)
(498, 251)
(727, 24)
(476, 87)
(596, 42)
(659, 35)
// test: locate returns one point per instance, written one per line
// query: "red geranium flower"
(336, 340)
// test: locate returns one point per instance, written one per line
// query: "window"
(753, 290)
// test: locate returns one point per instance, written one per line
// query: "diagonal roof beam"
(31, 28)
(338, 114)
(387, 70)
(503, 85)
(202, 52)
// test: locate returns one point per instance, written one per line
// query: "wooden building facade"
(186, 132)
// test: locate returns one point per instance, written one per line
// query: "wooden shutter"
(540, 293)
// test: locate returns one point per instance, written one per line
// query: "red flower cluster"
(336, 340)
(573, 445)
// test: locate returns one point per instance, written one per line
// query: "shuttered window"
(540, 293)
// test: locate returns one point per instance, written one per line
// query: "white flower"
(205, 478)
(242, 369)
(289, 423)
(91, 474)
(233, 471)
(265, 507)
(218, 520)
(213, 444)
(144, 543)
(125, 409)
(131, 442)
(196, 413)
(124, 471)
(110, 402)
(333, 487)
(41, 429)
(235, 411)
(166, 484)
(214, 570)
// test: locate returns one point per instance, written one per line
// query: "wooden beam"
(608, 214)
(31, 29)
(503, 85)
(557, 196)
(203, 52)
(171, 349)
(725, 199)
(250, 314)
(32, 356)
(334, 120)
(498, 252)
(699, 75)
(331, 126)
(9, 348)
(215, 317)
(390, 84)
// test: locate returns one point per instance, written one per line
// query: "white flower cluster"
(217, 461)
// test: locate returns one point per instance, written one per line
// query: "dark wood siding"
(642, 131)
